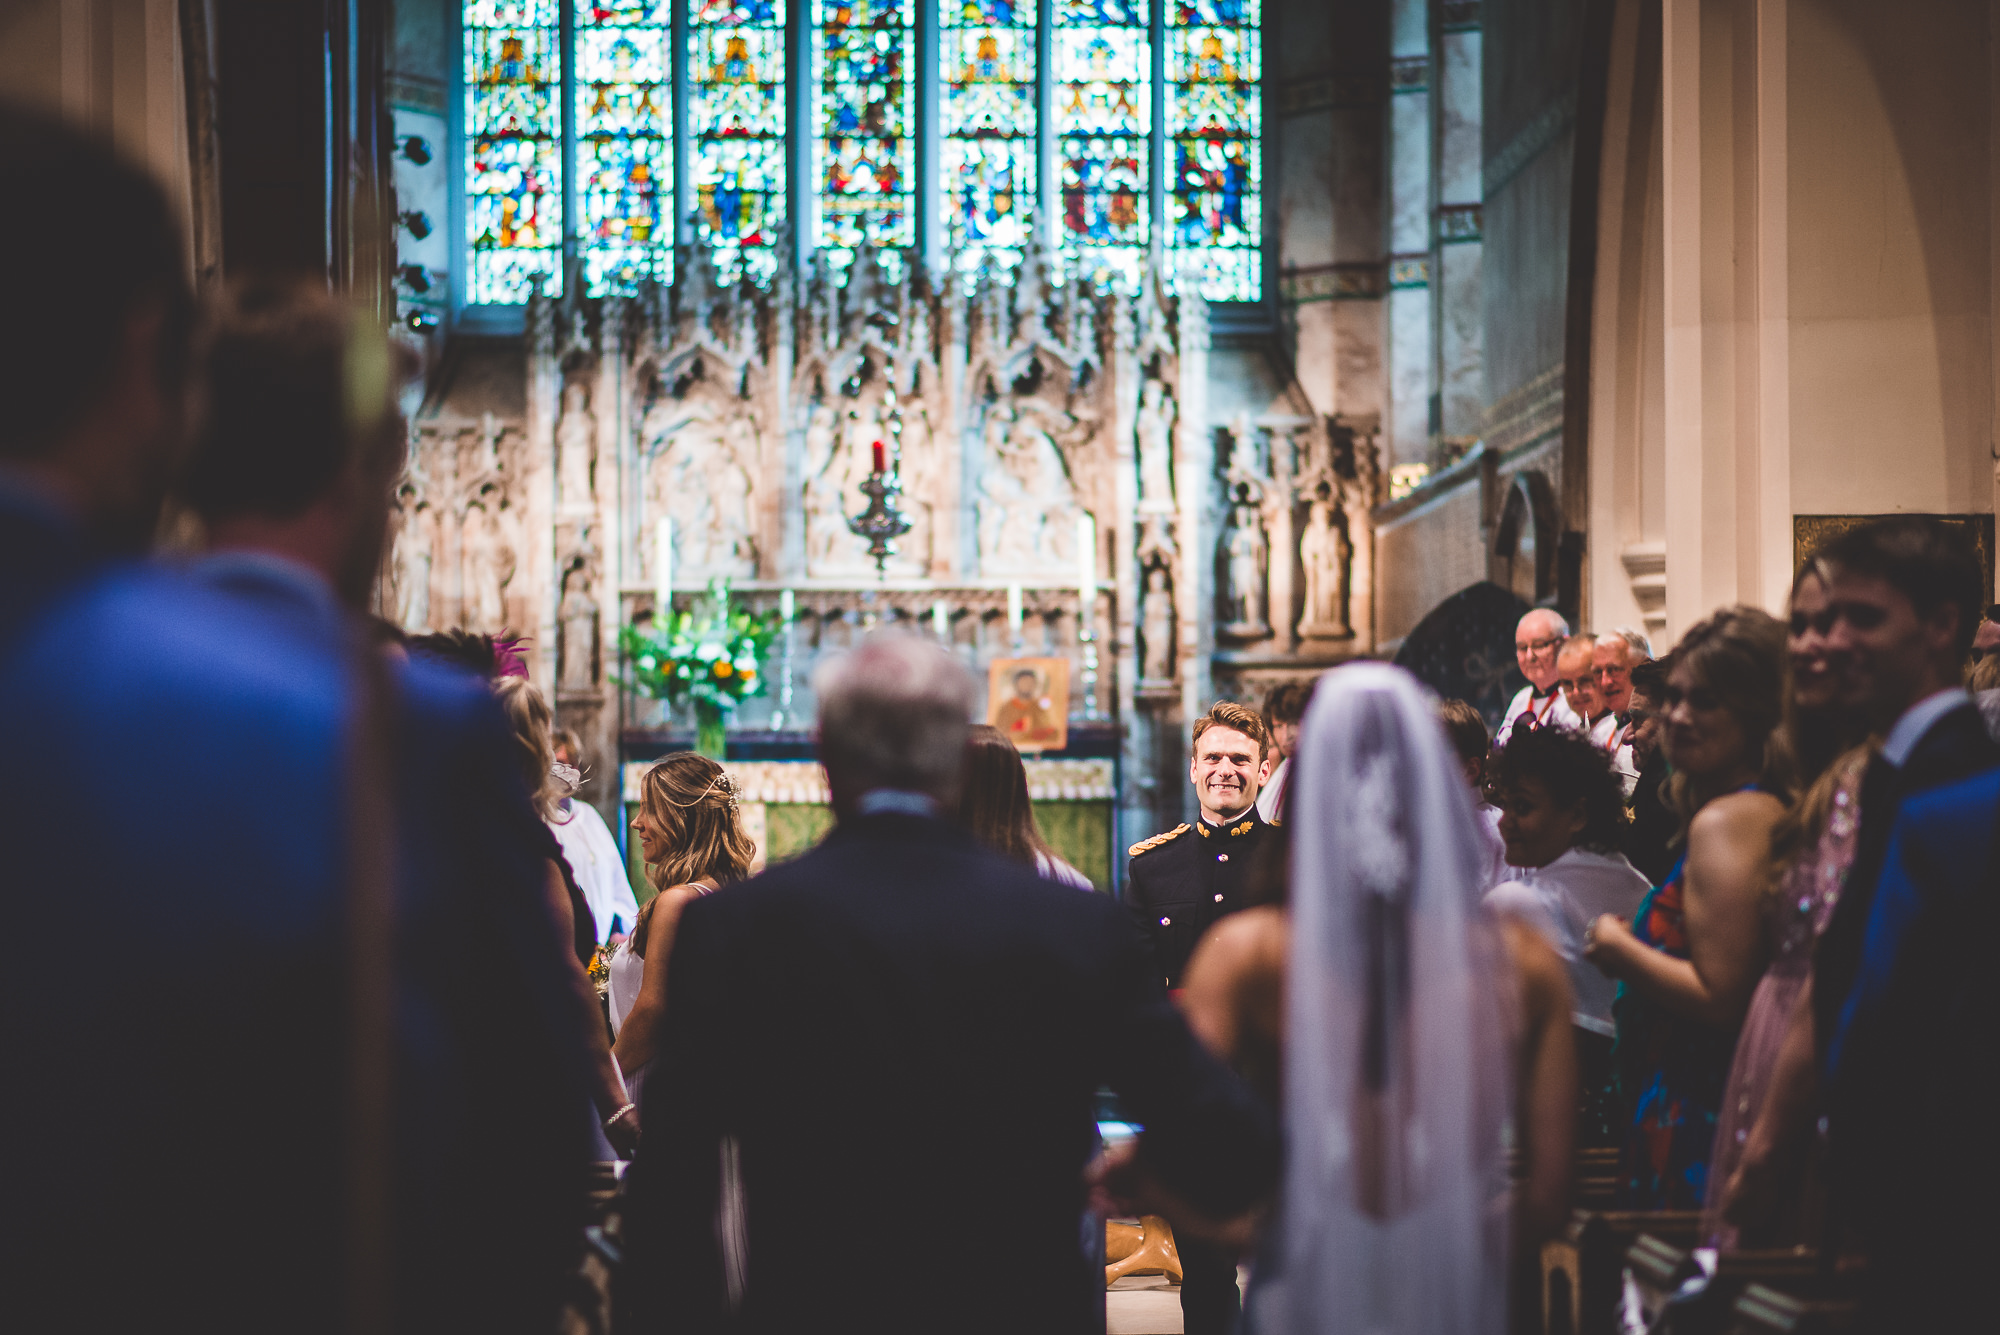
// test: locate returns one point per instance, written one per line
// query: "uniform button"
(1222, 857)
(1218, 899)
(1166, 922)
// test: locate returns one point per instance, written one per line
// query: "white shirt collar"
(1917, 720)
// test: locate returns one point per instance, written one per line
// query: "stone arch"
(1525, 539)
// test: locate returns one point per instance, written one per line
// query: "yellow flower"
(722, 667)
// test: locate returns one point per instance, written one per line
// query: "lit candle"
(879, 467)
(786, 607)
(1086, 564)
(663, 569)
(1014, 610)
(940, 621)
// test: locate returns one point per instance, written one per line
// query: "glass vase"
(708, 729)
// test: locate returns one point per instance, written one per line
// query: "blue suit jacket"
(171, 970)
(1909, 1072)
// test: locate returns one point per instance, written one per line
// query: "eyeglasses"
(1537, 646)
(1613, 674)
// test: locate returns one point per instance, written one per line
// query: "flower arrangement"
(710, 658)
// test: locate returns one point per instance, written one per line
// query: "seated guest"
(1283, 708)
(590, 850)
(1692, 954)
(1472, 743)
(1561, 815)
(1648, 837)
(1384, 1087)
(1537, 639)
(897, 1018)
(692, 832)
(1574, 672)
(534, 761)
(301, 890)
(994, 806)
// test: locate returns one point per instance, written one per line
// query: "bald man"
(1537, 638)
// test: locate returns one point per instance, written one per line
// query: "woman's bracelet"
(628, 1108)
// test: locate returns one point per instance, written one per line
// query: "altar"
(1074, 481)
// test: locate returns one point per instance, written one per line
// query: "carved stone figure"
(1156, 627)
(488, 565)
(576, 445)
(1248, 554)
(578, 616)
(1155, 431)
(697, 479)
(1325, 553)
(415, 555)
(1026, 504)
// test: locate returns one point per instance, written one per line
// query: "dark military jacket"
(1180, 882)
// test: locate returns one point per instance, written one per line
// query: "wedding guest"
(1473, 744)
(1691, 956)
(1611, 663)
(899, 1016)
(246, 1024)
(692, 832)
(994, 806)
(589, 849)
(1575, 675)
(1648, 837)
(1283, 708)
(1370, 1077)
(1537, 639)
(1562, 812)
(534, 763)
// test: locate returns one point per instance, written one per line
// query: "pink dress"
(1798, 915)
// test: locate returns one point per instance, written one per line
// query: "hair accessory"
(721, 780)
(508, 661)
(569, 774)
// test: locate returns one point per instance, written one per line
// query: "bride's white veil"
(1393, 1215)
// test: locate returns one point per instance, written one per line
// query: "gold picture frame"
(1035, 718)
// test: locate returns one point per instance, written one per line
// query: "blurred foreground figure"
(900, 1029)
(1398, 1061)
(179, 1148)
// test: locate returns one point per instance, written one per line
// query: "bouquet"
(709, 658)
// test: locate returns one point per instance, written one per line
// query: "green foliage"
(712, 655)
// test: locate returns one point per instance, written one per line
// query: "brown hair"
(1465, 727)
(994, 804)
(1739, 654)
(528, 715)
(1229, 714)
(1286, 703)
(691, 804)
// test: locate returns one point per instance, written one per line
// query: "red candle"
(878, 458)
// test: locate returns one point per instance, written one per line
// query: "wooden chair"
(1583, 1270)
(1658, 1269)
(1762, 1310)
(1145, 1250)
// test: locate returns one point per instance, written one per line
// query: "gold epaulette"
(1145, 845)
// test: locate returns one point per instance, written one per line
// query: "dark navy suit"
(171, 968)
(1911, 1067)
(905, 1033)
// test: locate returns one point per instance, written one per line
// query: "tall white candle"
(786, 607)
(940, 621)
(1086, 564)
(1014, 610)
(663, 569)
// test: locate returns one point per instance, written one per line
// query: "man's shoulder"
(1159, 841)
(1963, 813)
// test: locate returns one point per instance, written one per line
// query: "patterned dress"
(1671, 1071)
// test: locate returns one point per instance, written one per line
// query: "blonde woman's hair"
(1802, 823)
(691, 805)
(534, 748)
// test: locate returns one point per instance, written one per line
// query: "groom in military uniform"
(1179, 883)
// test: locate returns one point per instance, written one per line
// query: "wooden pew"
(1659, 1268)
(1583, 1269)
(1762, 1310)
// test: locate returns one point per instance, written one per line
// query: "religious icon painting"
(1028, 700)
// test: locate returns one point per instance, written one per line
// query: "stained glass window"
(1103, 113)
(737, 60)
(866, 120)
(987, 49)
(513, 157)
(1214, 54)
(624, 152)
